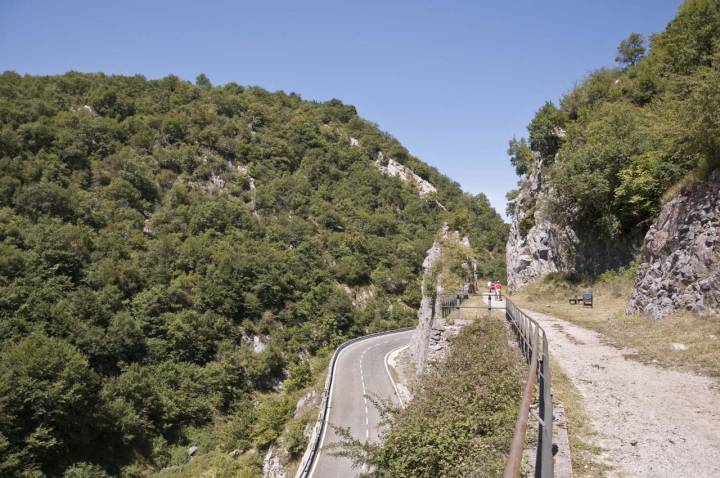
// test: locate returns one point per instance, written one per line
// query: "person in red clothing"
(498, 289)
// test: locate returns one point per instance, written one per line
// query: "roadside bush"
(461, 420)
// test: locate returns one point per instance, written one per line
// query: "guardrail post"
(546, 427)
(533, 344)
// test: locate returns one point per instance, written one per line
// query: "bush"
(461, 420)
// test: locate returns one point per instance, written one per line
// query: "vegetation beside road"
(174, 255)
(461, 419)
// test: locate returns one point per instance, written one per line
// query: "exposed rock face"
(544, 236)
(432, 332)
(426, 313)
(272, 464)
(256, 342)
(537, 245)
(680, 267)
(406, 174)
(360, 296)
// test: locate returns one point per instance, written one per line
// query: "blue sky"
(452, 80)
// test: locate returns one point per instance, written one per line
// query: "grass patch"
(649, 340)
(217, 465)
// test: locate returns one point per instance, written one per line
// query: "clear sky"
(452, 80)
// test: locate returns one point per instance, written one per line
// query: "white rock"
(272, 467)
(678, 346)
(405, 174)
(258, 344)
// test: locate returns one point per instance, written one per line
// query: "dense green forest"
(172, 256)
(625, 137)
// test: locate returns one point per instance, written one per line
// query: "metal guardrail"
(311, 452)
(533, 344)
(534, 347)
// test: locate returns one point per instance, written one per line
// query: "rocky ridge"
(546, 238)
(537, 245)
(680, 267)
(430, 340)
(395, 169)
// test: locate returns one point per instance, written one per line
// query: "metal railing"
(533, 344)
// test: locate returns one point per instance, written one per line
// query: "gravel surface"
(651, 422)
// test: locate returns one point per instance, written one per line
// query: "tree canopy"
(623, 138)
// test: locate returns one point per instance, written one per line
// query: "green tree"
(48, 400)
(203, 81)
(546, 131)
(520, 156)
(630, 50)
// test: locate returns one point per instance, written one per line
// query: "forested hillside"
(168, 251)
(602, 160)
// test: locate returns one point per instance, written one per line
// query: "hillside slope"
(597, 169)
(172, 253)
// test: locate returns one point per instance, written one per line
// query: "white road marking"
(329, 398)
(362, 379)
(387, 369)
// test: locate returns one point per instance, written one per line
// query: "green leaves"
(631, 50)
(633, 135)
(48, 396)
(545, 131)
(461, 420)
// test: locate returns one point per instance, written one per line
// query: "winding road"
(360, 371)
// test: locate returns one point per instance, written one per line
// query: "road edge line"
(315, 443)
(392, 381)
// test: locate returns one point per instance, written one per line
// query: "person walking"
(498, 290)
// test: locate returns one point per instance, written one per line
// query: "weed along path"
(650, 422)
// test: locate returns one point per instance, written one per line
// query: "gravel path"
(651, 422)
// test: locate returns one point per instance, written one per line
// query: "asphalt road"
(360, 372)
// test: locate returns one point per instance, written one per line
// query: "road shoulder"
(650, 421)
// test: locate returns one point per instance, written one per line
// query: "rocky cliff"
(537, 244)
(680, 267)
(432, 332)
(545, 237)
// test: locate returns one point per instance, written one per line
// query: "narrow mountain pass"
(650, 421)
(361, 372)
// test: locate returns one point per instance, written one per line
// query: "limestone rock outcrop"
(395, 169)
(273, 463)
(537, 245)
(432, 332)
(545, 236)
(680, 267)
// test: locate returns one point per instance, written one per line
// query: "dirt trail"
(651, 422)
